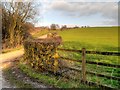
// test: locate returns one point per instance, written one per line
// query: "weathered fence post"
(83, 65)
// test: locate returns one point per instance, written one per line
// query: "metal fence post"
(83, 65)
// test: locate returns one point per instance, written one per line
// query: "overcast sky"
(79, 12)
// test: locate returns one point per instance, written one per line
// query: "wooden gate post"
(83, 65)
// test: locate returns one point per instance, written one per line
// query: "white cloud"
(108, 10)
(82, 8)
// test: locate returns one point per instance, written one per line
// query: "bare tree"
(63, 27)
(18, 13)
(54, 26)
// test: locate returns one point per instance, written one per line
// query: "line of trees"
(54, 26)
(63, 27)
(16, 17)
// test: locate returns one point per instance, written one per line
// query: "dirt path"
(9, 57)
(14, 54)
(44, 36)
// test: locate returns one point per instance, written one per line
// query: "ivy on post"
(83, 65)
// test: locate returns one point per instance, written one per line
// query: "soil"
(20, 76)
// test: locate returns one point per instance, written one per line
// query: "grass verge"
(58, 82)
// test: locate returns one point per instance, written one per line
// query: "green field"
(102, 39)
(96, 35)
(93, 38)
(98, 39)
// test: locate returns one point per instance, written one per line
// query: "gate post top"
(83, 49)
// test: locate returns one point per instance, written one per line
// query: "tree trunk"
(11, 31)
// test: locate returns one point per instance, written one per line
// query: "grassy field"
(98, 39)
(93, 38)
